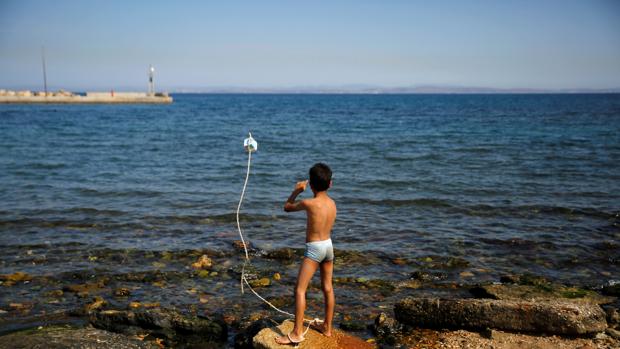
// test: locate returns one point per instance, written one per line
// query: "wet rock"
(265, 339)
(83, 290)
(97, 303)
(440, 262)
(387, 329)
(54, 293)
(262, 282)
(243, 339)
(203, 274)
(62, 337)
(612, 290)
(552, 317)
(466, 274)
(536, 293)
(615, 334)
(136, 305)
(11, 279)
(509, 279)
(613, 317)
(284, 254)
(353, 325)
(426, 276)
(238, 244)
(122, 292)
(203, 262)
(164, 323)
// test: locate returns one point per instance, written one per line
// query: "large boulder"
(265, 339)
(550, 317)
(539, 293)
(62, 337)
(166, 323)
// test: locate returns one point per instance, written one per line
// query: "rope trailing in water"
(244, 280)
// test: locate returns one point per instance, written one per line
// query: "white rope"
(247, 257)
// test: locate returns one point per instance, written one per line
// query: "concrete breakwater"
(65, 97)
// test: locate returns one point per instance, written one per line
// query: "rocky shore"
(190, 299)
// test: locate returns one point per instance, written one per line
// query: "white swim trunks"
(320, 251)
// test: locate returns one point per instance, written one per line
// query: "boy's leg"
(327, 269)
(306, 270)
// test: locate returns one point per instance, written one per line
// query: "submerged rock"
(97, 303)
(57, 337)
(551, 317)
(262, 282)
(11, 279)
(167, 323)
(284, 254)
(203, 262)
(265, 339)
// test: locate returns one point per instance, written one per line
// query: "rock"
(243, 338)
(613, 317)
(535, 293)
(509, 279)
(15, 277)
(203, 274)
(203, 262)
(615, 334)
(54, 293)
(612, 290)
(97, 303)
(238, 244)
(284, 254)
(265, 339)
(262, 282)
(62, 337)
(387, 329)
(552, 317)
(466, 274)
(426, 276)
(122, 292)
(353, 325)
(166, 323)
(83, 290)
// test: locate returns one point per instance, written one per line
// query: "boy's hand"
(301, 186)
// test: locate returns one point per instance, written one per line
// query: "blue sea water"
(510, 183)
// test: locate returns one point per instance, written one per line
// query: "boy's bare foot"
(323, 329)
(289, 339)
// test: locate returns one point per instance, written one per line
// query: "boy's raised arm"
(291, 205)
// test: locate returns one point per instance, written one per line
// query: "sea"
(501, 183)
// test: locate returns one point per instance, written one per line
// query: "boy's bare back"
(321, 211)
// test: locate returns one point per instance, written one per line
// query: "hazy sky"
(192, 44)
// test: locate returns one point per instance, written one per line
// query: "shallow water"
(507, 183)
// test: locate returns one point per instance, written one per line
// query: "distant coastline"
(362, 89)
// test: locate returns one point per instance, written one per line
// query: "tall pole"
(151, 83)
(44, 72)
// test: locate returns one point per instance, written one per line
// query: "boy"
(321, 214)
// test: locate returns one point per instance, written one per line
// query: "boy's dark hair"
(320, 176)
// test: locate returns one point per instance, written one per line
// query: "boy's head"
(320, 177)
